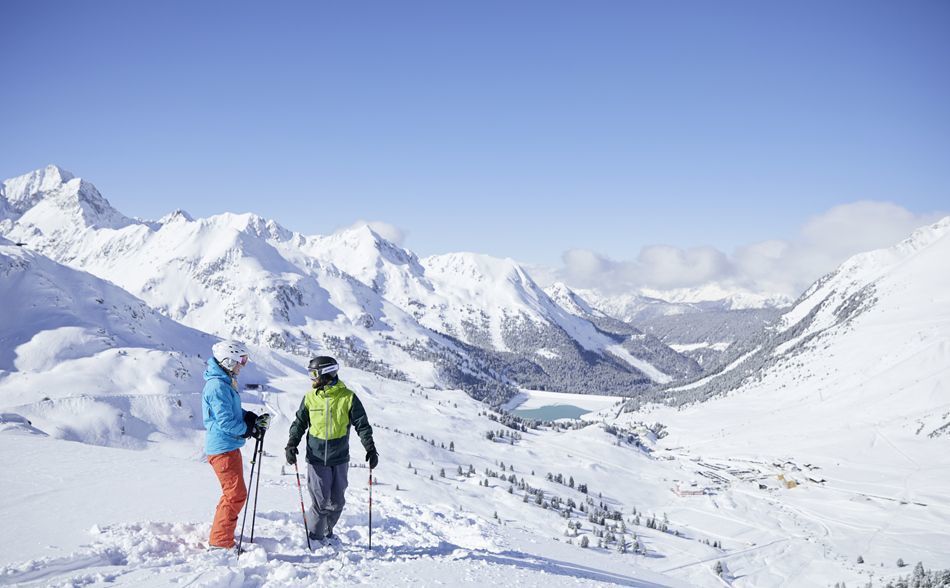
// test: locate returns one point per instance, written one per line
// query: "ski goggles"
(330, 369)
(244, 359)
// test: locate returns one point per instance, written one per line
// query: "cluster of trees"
(352, 352)
(479, 373)
(612, 533)
(736, 326)
(569, 482)
(571, 368)
(921, 578)
(513, 422)
(624, 435)
(512, 436)
(574, 425)
(420, 437)
(601, 515)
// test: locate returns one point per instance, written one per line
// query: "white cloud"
(657, 266)
(767, 267)
(861, 226)
(664, 267)
(583, 265)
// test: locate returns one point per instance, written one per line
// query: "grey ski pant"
(326, 485)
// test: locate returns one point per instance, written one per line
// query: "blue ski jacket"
(221, 411)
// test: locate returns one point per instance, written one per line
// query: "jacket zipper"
(326, 427)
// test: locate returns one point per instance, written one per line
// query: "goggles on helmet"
(330, 369)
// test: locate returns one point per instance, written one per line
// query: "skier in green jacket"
(326, 413)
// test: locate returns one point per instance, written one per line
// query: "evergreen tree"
(585, 542)
(718, 568)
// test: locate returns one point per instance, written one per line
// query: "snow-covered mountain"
(709, 325)
(475, 320)
(646, 304)
(238, 276)
(870, 338)
(58, 202)
(492, 304)
(640, 345)
(128, 368)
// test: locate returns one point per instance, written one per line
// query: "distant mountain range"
(468, 320)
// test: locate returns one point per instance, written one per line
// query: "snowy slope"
(428, 529)
(87, 361)
(432, 529)
(855, 383)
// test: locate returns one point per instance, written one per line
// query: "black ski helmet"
(323, 369)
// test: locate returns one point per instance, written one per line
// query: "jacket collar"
(329, 390)
(216, 372)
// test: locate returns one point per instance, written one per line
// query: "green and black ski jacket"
(325, 416)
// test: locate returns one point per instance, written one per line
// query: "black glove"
(261, 424)
(249, 419)
(291, 453)
(373, 458)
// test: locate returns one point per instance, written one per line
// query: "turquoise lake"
(551, 412)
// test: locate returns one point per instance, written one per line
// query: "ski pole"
(258, 485)
(370, 508)
(303, 511)
(253, 461)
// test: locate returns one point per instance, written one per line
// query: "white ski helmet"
(230, 354)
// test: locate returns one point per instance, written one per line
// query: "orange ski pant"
(229, 468)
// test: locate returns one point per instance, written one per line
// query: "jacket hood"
(216, 372)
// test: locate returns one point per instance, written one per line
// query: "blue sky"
(521, 129)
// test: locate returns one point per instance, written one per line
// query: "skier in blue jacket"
(228, 427)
